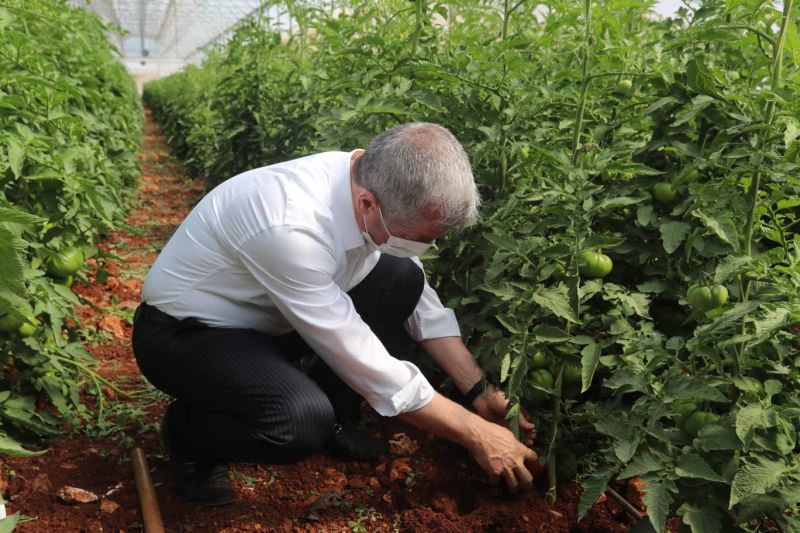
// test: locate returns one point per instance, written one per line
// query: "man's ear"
(366, 201)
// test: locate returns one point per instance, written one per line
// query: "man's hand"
(492, 405)
(494, 447)
(500, 454)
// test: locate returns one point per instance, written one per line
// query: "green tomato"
(594, 264)
(697, 421)
(571, 380)
(690, 176)
(540, 359)
(543, 378)
(27, 329)
(525, 151)
(65, 262)
(684, 409)
(573, 373)
(10, 323)
(706, 298)
(624, 86)
(720, 295)
(664, 192)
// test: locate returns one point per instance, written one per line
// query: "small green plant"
(366, 516)
(246, 480)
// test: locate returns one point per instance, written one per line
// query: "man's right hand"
(501, 455)
(494, 447)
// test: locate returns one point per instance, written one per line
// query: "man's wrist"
(472, 394)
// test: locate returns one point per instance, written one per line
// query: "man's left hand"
(492, 405)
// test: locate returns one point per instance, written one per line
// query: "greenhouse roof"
(178, 30)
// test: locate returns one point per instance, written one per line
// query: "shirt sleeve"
(296, 267)
(430, 319)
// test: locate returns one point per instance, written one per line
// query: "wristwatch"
(473, 393)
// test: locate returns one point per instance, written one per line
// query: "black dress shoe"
(197, 481)
(351, 442)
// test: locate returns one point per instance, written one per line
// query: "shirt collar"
(342, 207)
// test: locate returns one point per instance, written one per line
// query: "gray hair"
(419, 169)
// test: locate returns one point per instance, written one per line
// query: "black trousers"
(238, 397)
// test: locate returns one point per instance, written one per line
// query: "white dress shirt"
(276, 249)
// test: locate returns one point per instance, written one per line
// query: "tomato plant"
(69, 132)
(566, 154)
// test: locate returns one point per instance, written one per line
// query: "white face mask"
(394, 245)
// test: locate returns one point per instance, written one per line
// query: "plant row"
(633, 283)
(70, 123)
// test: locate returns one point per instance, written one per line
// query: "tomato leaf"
(504, 367)
(12, 447)
(16, 156)
(701, 520)
(793, 42)
(11, 267)
(672, 234)
(18, 216)
(756, 477)
(748, 419)
(657, 498)
(643, 463)
(517, 376)
(601, 241)
(613, 203)
(550, 334)
(691, 465)
(723, 227)
(693, 388)
(555, 300)
(718, 438)
(730, 265)
(590, 355)
(593, 487)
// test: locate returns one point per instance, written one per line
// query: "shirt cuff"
(414, 395)
(433, 324)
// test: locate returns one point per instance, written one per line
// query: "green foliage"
(70, 121)
(572, 114)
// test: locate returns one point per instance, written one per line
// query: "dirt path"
(425, 485)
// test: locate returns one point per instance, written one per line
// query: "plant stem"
(576, 132)
(755, 185)
(769, 116)
(506, 16)
(418, 26)
(552, 478)
(92, 374)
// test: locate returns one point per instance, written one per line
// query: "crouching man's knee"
(298, 429)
